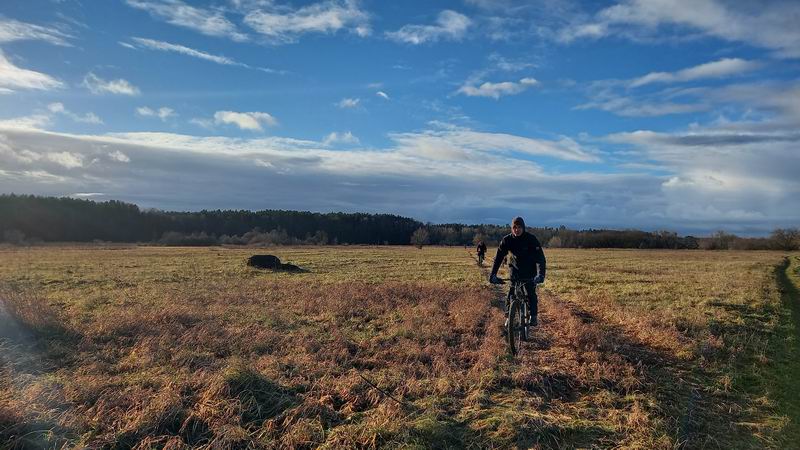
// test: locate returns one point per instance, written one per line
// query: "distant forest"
(28, 219)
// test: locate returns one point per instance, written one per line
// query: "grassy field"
(394, 347)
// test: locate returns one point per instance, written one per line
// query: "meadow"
(394, 347)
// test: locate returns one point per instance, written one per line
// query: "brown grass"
(230, 358)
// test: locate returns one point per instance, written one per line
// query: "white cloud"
(497, 90)
(13, 77)
(98, 86)
(340, 138)
(347, 103)
(68, 160)
(206, 21)
(779, 100)
(282, 24)
(382, 95)
(119, 156)
(168, 47)
(716, 69)
(250, 121)
(87, 194)
(460, 143)
(508, 65)
(631, 107)
(36, 122)
(13, 30)
(176, 48)
(444, 174)
(91, 118)
(450, 25)
(771, 25)
(162, 113)
(203, 123)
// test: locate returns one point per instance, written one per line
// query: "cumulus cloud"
(497, 90)
(340, 138)
(250, 121)
(280, 24)
(348, 103)
(90, 118)
(450, 25)
(99, 86)
(119, 156)
(13, 30)
(716, 69)
(205, 21)
(162, 113)
(13, 78)
(68, 160)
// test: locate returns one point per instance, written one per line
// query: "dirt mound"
(273, 263)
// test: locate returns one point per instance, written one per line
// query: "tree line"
(30, 219)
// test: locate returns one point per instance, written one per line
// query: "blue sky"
(650, 114)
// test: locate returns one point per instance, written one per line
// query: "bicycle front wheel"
(516, 327)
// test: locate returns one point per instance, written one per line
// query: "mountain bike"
(516, 326)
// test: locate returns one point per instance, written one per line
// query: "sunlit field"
(394, 347)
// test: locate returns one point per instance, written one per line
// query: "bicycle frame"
(516, 315)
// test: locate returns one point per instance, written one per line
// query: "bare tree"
(420, 237)
(785, 238)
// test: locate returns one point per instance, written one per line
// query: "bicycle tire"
(515, 328)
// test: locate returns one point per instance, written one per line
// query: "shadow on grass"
(682, 403)
(260, 397)
(32, 337)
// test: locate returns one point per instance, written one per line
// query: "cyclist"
(527, 261)
(481, 250)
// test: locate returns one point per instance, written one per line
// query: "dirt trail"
(575, 353)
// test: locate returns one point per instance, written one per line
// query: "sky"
(679, 115)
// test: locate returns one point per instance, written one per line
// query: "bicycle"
(516, 325)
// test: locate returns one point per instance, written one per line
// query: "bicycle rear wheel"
(516, 327)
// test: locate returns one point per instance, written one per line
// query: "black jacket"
(526, 255)
(481, 248)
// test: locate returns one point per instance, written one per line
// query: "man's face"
(516, 230)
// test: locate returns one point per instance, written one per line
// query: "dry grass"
(177, 348)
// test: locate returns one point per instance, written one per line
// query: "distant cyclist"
(481, 250)
(526, 262)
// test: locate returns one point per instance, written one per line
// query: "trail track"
(581, 350)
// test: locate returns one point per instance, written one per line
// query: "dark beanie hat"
(518, 221)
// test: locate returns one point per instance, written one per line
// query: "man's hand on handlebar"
(539, 279)
(495, 280)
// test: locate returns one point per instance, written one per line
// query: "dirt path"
(577, 355)
(786, 362)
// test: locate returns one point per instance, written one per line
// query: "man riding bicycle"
(526, 262)
(481, 250)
